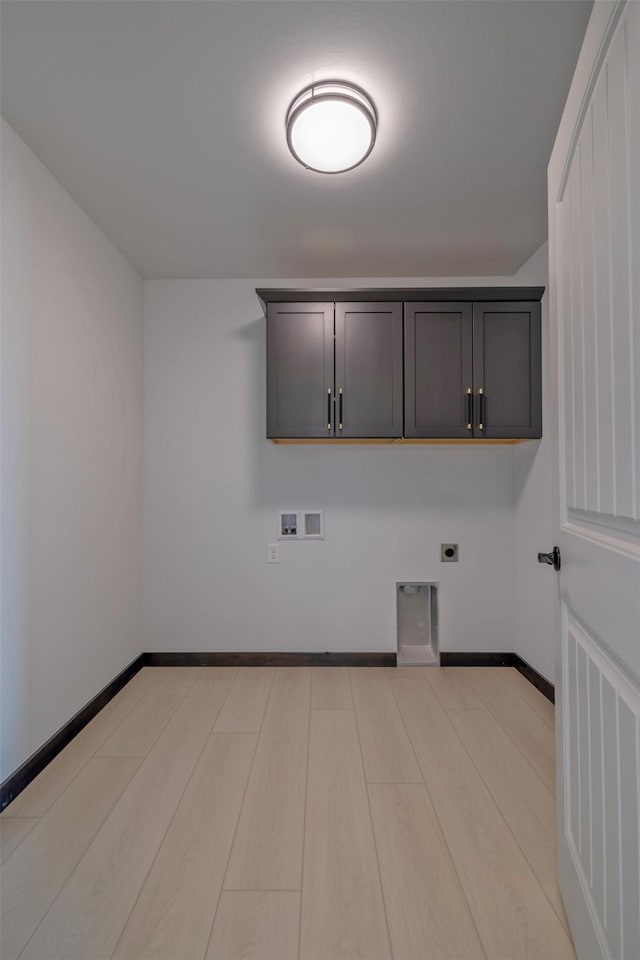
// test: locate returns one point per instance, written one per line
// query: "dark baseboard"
(449, 658)
(541, 683)
(284, 659)
(22, 777)
(30, 769)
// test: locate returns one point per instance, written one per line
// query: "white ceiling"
(165, 121)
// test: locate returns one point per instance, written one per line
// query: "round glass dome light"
(331, 126)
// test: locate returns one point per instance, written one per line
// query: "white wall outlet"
(273, 553)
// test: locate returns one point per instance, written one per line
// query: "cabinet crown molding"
(397, 294)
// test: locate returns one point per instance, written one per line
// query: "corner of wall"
(71, 437)
(532, 471)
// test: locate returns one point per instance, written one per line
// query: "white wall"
(535, 584)
(71, 456)
(72, 494)
(213, 484)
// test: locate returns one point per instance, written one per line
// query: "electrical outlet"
(449, 552)
(273, 555)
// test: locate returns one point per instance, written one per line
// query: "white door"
(594, 249)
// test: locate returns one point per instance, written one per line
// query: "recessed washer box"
(417, 618)
(300, 525)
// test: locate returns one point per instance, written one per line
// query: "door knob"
(553, 559)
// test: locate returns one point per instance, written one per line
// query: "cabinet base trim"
(333, 441)
(411, 441)
(399, 441)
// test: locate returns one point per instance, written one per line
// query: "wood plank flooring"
(276, 813)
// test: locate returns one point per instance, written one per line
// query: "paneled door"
(368, 370)
(594, 237)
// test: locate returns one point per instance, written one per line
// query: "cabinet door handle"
(469, 408)
(340, 409)
(481, 409)
(329, 409)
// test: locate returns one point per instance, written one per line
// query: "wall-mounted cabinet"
(404, 365)
(334, 370)
(472, 370)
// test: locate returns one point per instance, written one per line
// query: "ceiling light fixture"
(331, 126)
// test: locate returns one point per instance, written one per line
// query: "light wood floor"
(293, 812)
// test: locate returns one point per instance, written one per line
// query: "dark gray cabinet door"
(507, 370)
(437, 370)
(300, 370)
(368, 370)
